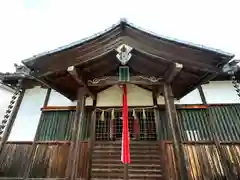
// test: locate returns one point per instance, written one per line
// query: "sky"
(29, 27)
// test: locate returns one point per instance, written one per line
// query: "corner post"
(92, 137)
(174, 125)
(13, 116)
(29, 163)
(212, 128)
(72, 165)
(156, 113)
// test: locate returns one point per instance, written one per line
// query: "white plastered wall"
(28, 115)
(191, 98)
(220, 92)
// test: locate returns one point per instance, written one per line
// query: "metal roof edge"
(123, 20)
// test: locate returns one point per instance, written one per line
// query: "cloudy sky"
(30, 27)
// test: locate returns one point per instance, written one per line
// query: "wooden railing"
(49, 162)
(203, 160)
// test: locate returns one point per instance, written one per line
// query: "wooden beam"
(203, 98)
(174, 126)
(46, 82)
(29, 164)
(172, 72)
(138, 80)
(73, 72)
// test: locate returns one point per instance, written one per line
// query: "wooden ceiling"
(151, 56)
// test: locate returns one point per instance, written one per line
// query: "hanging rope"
(10, 107)
(120, 109)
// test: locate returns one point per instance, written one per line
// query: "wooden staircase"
(145, 161)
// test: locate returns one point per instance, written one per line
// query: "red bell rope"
(125, 132)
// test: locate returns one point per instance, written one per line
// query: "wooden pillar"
(29, 163)
(212, 128)
(174, 126)
(156, 114)
(12, 118)
(203, 98)
(125, 171)
(92, 137)
(71, 171)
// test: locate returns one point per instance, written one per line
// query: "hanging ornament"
(144, 114)
(113, 114)
(102, 116)
(134, 113)
(145, 123)
(112, 126)
(124, 54)
(136, 126)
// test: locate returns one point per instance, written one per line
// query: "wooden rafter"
(173, 71)
(73, 72)
(108, 45)
(46, 82)
(94, 52)
(145, 48)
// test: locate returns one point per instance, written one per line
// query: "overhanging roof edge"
(195, 45)
(71, 44)
(186, 43)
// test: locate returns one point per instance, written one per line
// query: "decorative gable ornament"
(124, 54)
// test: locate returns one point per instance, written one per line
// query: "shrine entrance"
(141, 125)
